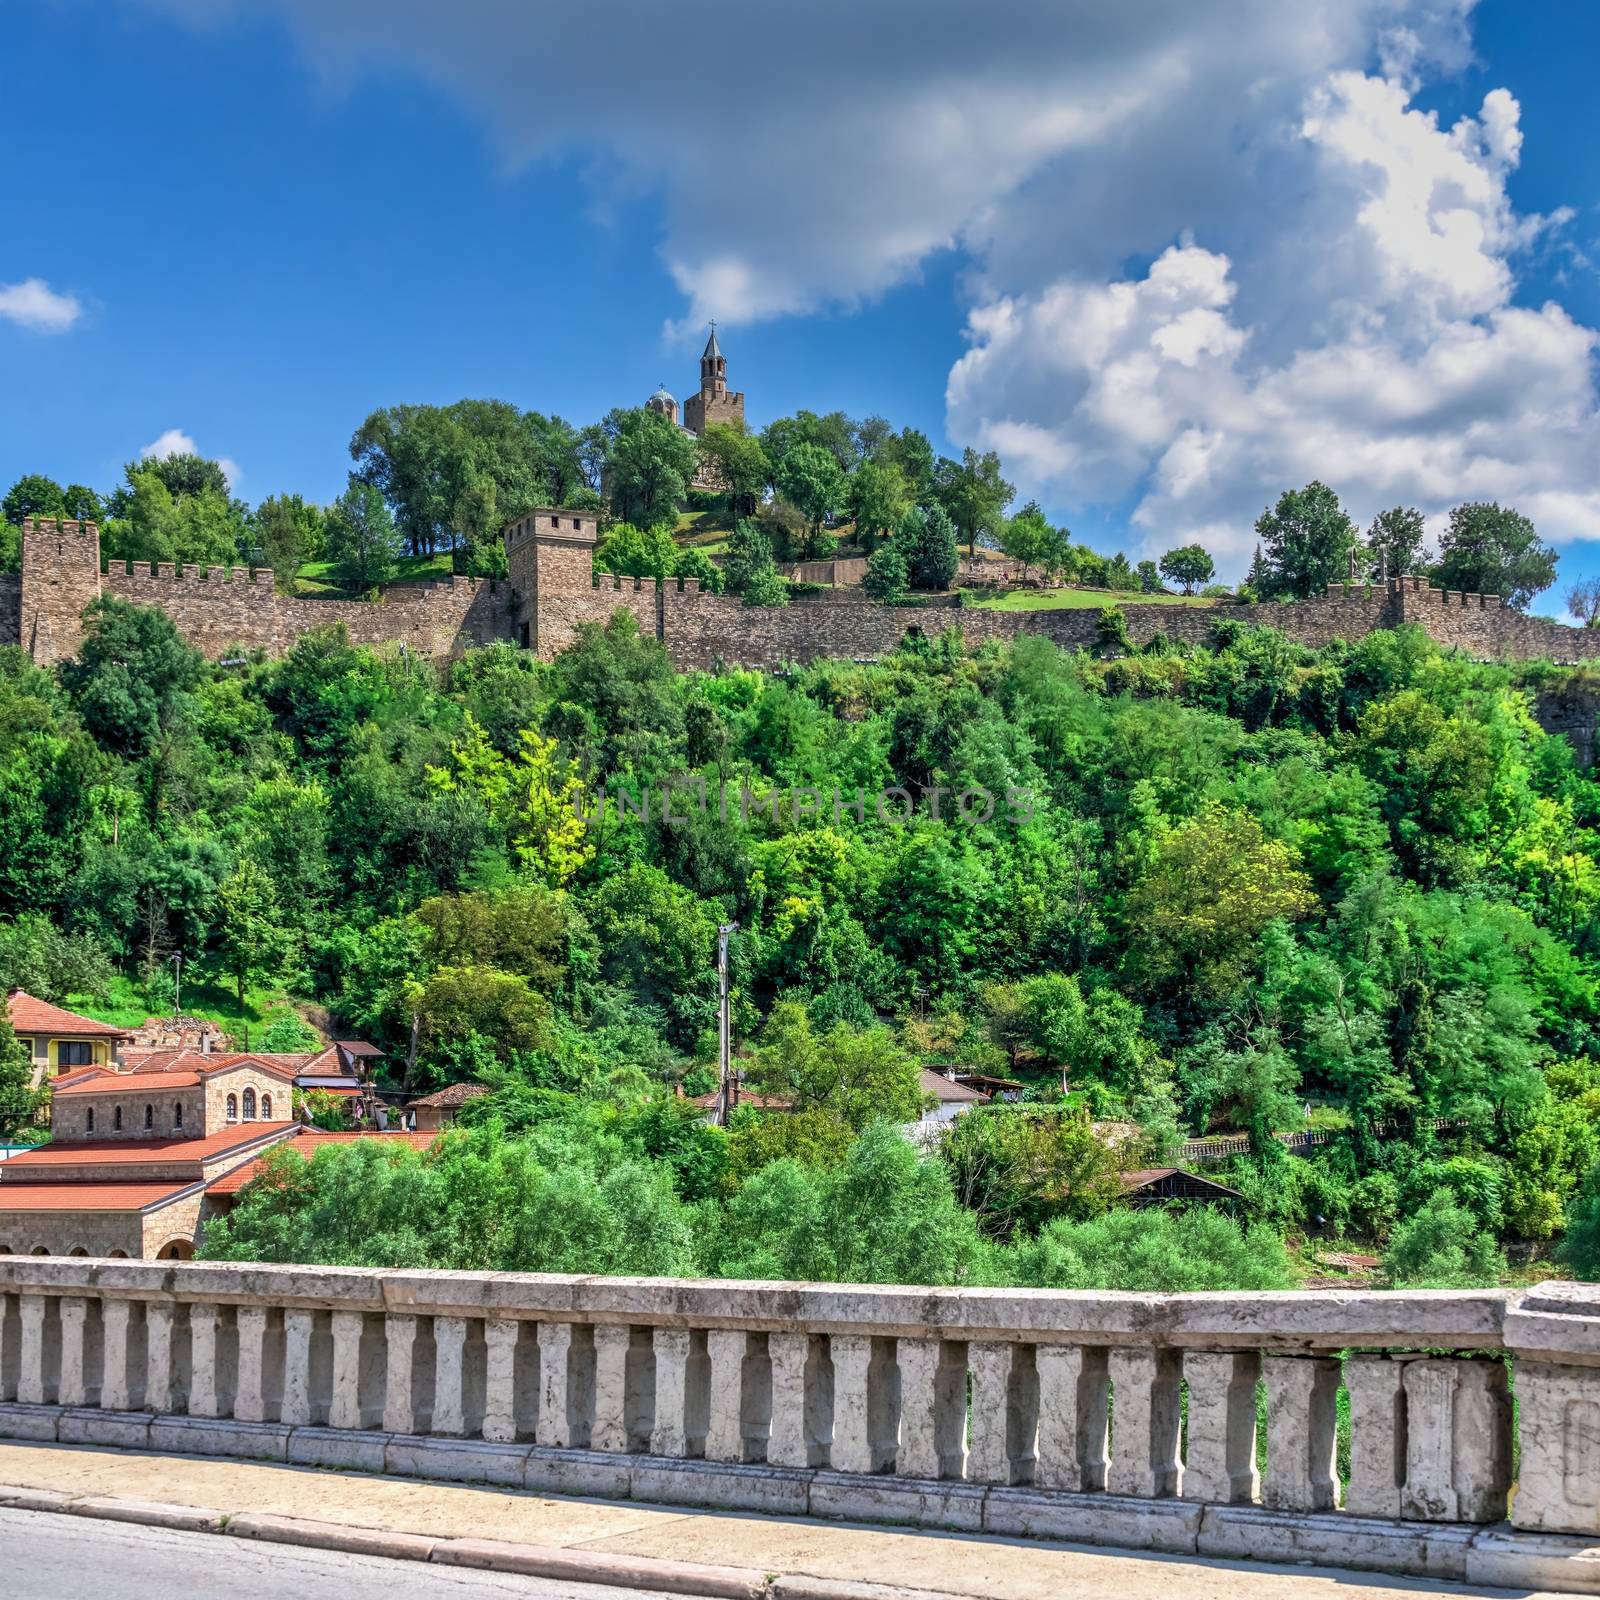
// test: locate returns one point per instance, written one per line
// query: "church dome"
(663, 398)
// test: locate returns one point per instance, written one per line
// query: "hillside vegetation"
(1216, 886)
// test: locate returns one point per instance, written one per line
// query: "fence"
(960, 1408)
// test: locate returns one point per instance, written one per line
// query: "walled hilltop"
(551, 589)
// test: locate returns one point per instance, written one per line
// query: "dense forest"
(1243, 887)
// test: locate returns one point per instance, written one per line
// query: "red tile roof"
(178, 1069)
(137, 1152)
(949, 1091)
(453, 1094)
(307, 1143)
(90, 1196)
(29, 1015)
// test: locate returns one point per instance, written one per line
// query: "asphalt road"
(52, 1557)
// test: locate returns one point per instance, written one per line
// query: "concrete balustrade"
(1123, 1419)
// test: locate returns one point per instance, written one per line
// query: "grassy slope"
(1081, 600)
(315, 579)
(126, 1007)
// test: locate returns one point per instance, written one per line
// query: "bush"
(1442, 1247)
(1165, 1252)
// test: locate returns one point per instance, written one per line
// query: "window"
(116, 1120)
(233, 1108)
(41, 1049)
(88, 1120)
(266, 1108)
(249, 1105)
(74, 1053)
(177, 1114)
(149, 1117)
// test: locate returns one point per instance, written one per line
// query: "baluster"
(852, 1361)
(933, 1408)
(611, 1342)
(1458, 1428)
(30, 1372)
(1377, 1435)
(500, 1380)
(796, 1439)
(250, 1400)
(203, 1397)
(1073, 1416)
(1220, 1465)
(1004, 1412)
(1301, 1432)
(73, 1310)
(344, 1403)
(678, 1430)
(114, 1343)
(400, 1336)
(1145, 1422)
(158, 1356)
(449, 1341)
(296, 1408)
(726, 1349)
(8, 1389)
(555, 1426)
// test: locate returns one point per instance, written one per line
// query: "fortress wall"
(220, 609)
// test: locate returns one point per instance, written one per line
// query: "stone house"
(61, 1041)
(431, 1113)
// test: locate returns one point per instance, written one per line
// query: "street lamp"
(725, 1091)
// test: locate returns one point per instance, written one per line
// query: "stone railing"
(1121, 1419)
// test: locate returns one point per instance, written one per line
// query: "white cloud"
(175, 442)
(1199, 390)
(34, 305)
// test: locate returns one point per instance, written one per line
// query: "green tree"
(1149, 577)
(1017, 1169)
(926, 538)
(362, 542)
(887, 574)
(750, 570)
(19, 1100)
(1306, 544)
(291, 531)
(878, 500)
(153, 524)
(1397, 536)
(737, 460)
(132, 679)
(252, 945)
(1492, 549)
(34, 495)
(1189, 564)
(648, 467)
(857, 1074)
(975, 494)
(1442, 1246)
(1028, 539)
(810, 478)
(637, 552)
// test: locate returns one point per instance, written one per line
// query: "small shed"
(1156, 1186)
(435, 1112)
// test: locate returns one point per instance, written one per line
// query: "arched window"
(266, 1108)
(149, 1117)
(249, 1105)
(88, 1120)
(77, 1250)
(39, 1250)
(233, 1108)
(116, 1120)
(177, 1113)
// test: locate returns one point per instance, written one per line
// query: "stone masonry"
(551, 590)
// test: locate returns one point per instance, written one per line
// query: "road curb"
(594, 1567)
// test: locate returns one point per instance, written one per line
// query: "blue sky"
(1186, 257)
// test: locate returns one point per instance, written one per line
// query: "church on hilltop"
(714, 403)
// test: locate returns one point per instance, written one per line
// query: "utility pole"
(177, 985)
(727, 1090)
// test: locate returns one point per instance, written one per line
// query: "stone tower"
(550, 564)
(60, 576)
(714, 403)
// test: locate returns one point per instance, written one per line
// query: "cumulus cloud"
(1196, 391)
(175, 442)
(34, 305)
(812, 159)
(1210, 250)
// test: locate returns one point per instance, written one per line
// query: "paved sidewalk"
(606, 1541)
